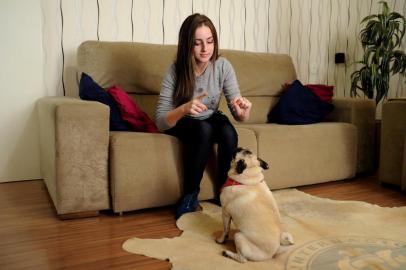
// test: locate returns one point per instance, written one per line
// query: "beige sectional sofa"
(86, 168)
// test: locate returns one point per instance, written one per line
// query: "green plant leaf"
(369, 18)
(385, 7)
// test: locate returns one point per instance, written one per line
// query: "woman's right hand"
(195, 106)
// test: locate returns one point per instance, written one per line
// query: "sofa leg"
(79, 215)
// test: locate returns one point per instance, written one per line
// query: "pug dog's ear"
(239, 149)
(263, 164)
(241, 165)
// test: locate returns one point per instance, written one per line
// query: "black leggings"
(198, 137)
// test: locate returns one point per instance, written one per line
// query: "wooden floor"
(32, 237)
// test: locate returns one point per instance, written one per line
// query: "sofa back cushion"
(261, 74)
(135, 67)
(260, 109)
(147, 103)
(139, 69)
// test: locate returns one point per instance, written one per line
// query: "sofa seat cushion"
(306, 154)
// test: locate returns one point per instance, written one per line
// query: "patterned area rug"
(329, 235)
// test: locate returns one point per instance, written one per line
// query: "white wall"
(21, 83)
(40, 38)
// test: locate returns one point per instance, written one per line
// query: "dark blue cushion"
(90, 90)
(298, 105)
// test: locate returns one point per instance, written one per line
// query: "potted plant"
(381, 39)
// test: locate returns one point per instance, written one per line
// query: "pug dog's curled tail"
(286, 239)
(286, 242)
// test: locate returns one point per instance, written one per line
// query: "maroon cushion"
(130, 111)
(324, 92)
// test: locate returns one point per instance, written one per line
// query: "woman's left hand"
(242, 107)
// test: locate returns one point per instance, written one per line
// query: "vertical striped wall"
(311, 31)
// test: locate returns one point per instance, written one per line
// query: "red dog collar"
(230, 182)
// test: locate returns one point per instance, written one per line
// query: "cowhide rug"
(329, 235)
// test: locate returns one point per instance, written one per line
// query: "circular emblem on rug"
(349, 253)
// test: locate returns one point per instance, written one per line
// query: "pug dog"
(247, 200)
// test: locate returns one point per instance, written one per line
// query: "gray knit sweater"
(217, 80)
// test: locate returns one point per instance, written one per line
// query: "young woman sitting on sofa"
(188, 105)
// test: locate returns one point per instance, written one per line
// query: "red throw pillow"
(130, 111)
(324, 92)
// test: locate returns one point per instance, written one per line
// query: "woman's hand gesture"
(195, 106)
(242, 107)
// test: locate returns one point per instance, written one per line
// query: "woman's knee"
(201, 132)
(193, 130)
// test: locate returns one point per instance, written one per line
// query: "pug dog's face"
(244, 159)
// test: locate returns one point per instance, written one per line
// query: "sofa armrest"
(403, 181)
(393, 131)
(74, 138)
(361, 113)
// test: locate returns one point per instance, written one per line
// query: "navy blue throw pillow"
(298, 105)
(90, 90)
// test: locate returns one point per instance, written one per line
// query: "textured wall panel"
(147, 21)
(108, 26)
(300, 37)
(88, 16)
(210, 8)
(232, 24)
(175, 11)
(338, 43)
(122, 17)
(256, 31)
(319, 41)
(352, 42)
(51, 46)
(311, 31)
(279, 25)
(71, 39)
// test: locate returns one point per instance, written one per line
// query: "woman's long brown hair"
(185, 61)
